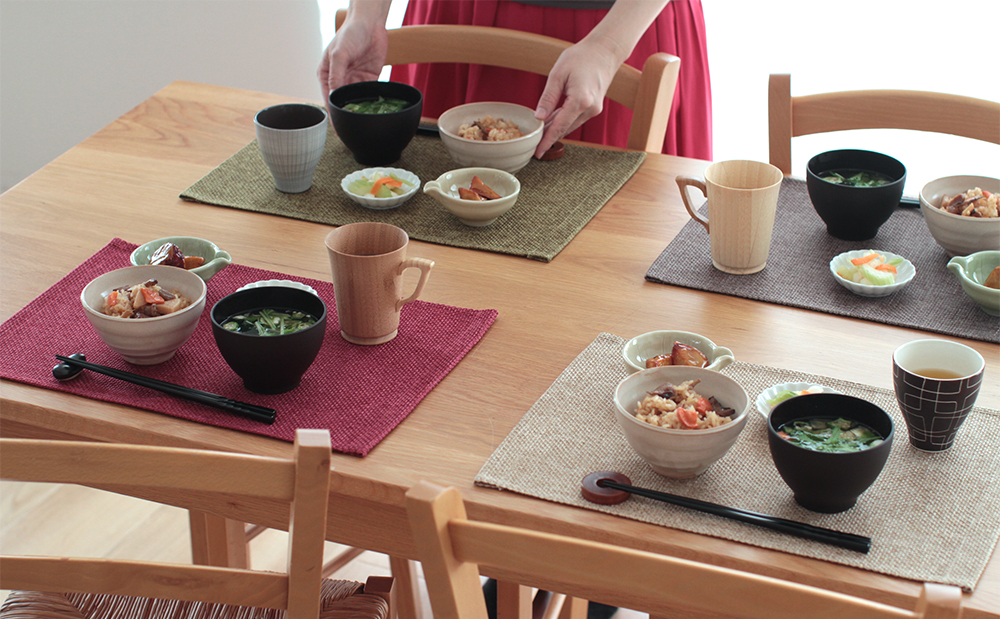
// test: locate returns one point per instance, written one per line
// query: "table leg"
(218, 541)
(407, 604)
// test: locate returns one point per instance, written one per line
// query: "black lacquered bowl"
(375, 139)
(821, 481)
(854, 213)
(273, 363)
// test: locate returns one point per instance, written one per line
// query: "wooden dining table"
(124, 181)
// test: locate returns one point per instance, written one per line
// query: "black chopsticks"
(243, 409)
(857, 543)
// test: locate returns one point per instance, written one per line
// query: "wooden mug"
(742, 200)
(367, 260)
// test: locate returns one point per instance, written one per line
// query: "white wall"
(70, 67)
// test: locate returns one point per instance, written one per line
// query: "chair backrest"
(648, 93)
(790, 116)
(303, 482)
(453, 548)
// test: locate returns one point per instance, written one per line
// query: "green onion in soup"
(269, 321)
(830, 435)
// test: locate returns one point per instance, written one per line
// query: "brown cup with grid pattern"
(367, 260)
(937, 383)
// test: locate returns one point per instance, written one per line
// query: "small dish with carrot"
(871, 273)
(380, 188)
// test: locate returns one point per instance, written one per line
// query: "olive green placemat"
(931, 516)
(557, 199)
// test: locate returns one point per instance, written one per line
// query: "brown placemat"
(557, 199)
(798, 272)
(931, 517)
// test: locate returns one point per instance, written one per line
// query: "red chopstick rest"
(596, 493)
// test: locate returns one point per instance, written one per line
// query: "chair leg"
(514, 601)
(407, 604)
(218, 541)
(574, 608)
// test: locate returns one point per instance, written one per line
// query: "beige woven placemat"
(931, 517)
(557, 199)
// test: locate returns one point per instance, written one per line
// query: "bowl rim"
(759, 401)
(633, 342)
(320, 320)
(474, 171)
(811, 173)
(456, 109)
(740, 416)
(199, 301)
(886, 440)
(964, 279)
(419, 101)
(171, 239)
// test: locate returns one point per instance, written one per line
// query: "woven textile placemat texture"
(798, 271)
(931, 517)
(359, 393)
(557, 198)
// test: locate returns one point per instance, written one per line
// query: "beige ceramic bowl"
(654, 343)
(474, 213)
(145, 341)
(959, 236)
(680, 453)
(972, 271)
(215, 258)
(508, 155)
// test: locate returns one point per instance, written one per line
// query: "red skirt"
(678, 30)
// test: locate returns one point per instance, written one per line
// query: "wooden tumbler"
(367, 260)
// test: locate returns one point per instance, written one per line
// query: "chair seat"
(341, 599)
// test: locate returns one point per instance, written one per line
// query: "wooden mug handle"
(425, 267)
(683, 182)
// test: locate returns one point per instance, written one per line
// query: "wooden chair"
(453, 548)
(648, 93)
(790, 116)
(119, 588)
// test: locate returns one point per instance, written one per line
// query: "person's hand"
(356, 54)
(580, 78)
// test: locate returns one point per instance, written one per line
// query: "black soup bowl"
(269, 363)
(375, 139)
(854, 213)
(828, 482)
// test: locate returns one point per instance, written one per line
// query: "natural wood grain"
(453, 546)
(125, 180)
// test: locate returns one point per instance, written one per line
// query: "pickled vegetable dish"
(830, 435)
(269, 321)
(872, 269)
(856, 178)
(382, 105)
(380, 185)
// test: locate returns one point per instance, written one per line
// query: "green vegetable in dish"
(830, 435)
(872, 269)
(269, 321)
(381, 105)
(788, 394)
(856, 178)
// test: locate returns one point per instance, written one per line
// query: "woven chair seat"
(340, 600)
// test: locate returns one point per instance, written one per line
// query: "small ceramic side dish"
(972, 271)
(215, 258)
(475, 213)
(905, 272)
(287, 283)
(411, 184)
(763, 403)
(654, 343)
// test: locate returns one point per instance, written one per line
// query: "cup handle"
(425, 271)
(683, 182)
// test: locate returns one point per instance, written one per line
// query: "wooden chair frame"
(790, 116)
(302, 482)
(453, 548)
(648, 93)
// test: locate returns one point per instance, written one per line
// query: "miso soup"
(830, 435)
(269, 321)
(856, 178)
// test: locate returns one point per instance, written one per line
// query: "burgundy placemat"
(359, 393)
(798, 273)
